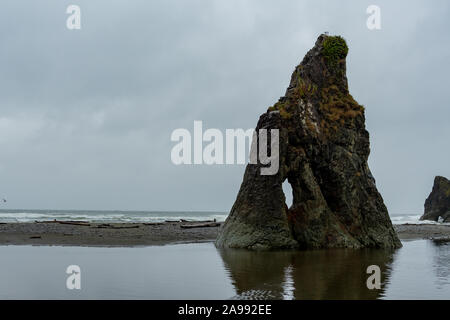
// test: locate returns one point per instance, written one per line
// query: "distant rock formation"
(323, 148)
(437, 204)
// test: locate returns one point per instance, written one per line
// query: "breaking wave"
(106, 216)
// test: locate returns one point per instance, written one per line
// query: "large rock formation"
(437, 204)
(323, 154)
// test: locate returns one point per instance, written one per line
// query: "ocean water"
(412, 219)
(419, 270)
(21, 215)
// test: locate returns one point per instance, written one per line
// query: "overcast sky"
(86, 115)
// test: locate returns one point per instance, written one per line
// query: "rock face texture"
(437, 204)
(323, 152)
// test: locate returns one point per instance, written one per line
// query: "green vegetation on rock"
(334, 49)
(282, 108)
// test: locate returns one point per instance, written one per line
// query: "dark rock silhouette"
(323, 152)
(437, 204)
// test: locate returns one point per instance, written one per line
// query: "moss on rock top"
(334, 49)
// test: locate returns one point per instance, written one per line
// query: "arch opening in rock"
(288, 193)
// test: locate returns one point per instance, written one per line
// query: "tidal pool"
(419, 270)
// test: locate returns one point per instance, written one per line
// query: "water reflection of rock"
(320, 274)
(441, 263)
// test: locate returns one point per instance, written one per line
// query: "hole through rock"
(287, 190)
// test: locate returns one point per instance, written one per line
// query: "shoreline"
(423, 231)
(105, 235)
(79, 233)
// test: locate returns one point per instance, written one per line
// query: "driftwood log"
(76, 223)
(108, 226)
(49, 221)
(204, 221)
(200, 225)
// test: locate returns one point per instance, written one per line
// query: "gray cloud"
(86, 116)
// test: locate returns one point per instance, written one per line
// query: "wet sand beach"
(100, 234)
(141, 234)
(423, 231)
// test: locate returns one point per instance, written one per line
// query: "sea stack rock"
(437, 204)
(323, 152)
